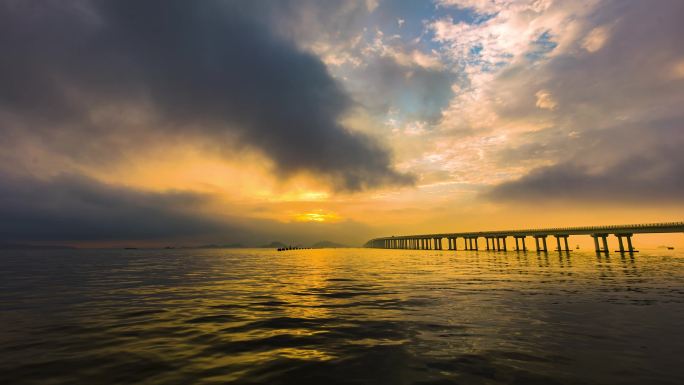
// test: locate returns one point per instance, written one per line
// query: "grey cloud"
(209, 69)
(616, 134)
(76, 208)
(612, 165)
(417, 93)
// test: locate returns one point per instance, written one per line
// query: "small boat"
(670, 247)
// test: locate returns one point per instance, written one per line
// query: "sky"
(184, 123)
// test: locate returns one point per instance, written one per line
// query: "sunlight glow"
(318, 216)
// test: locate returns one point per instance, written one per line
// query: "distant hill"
(327, 245)
(274, 245)
(11, 246)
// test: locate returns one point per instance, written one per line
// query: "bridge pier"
(503, 242)
(558, 242)
(521, 238)
(536, 241)
(604, 239)
(470, 243)
(630, 248)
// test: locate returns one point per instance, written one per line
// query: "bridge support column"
(604, 243)
(476, 245)
(522, 239)
(498, 244)
(629, 243)
(558, 242)
(543, 239)
(628, 237)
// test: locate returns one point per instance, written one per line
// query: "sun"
(318, 216)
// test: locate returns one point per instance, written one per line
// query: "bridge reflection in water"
(496, 240)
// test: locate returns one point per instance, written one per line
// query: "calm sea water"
(347, 316)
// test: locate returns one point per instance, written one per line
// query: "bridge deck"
(669, 227)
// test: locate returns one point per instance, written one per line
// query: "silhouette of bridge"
(496, 240)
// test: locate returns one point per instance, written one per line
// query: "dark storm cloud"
(206, 68)
(72, 207)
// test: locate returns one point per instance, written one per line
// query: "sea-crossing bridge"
(496, 240)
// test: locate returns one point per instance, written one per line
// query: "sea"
(340, 316)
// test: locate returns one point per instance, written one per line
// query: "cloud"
(412, 92)
(646, 169)
(615, 130)
(71, 207)
(596, 38)
(545, 100)
(88, 76)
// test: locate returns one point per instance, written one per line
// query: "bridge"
(496, 240)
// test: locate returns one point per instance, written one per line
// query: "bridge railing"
(551, 230)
